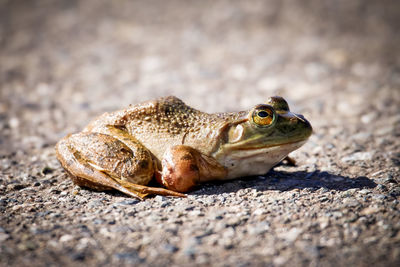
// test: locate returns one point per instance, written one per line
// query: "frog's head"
(262, 137)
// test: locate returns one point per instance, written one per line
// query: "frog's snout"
(305, 124)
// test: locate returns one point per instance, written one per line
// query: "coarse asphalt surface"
(62, 63)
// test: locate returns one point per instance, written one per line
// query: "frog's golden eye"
(263, 115)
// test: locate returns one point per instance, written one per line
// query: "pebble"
(66, 238)
(93, 204)
(127, 202)
(258, 229)
(78, 256)
(389, 180)
(290, 235)
(379, 196)
(128, 257)
(169, 248)
(358, 156)
(190, 251)
(365, 191)
(381, 187)
(370, 210)
(350, 202)
(4, 236)
(258, 212)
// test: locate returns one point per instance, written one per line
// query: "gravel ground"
(337, 62)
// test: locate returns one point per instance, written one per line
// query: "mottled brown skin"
(179, 145)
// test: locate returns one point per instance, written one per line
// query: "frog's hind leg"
(102, 162)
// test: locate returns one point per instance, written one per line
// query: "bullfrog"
(179, 146)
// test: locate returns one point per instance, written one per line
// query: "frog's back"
(165, 122)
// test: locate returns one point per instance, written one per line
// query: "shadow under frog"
(286, 181)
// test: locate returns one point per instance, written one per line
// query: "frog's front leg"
(183, 167)
(109, 161)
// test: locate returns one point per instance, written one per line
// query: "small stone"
(280, 260)
(363, 136)
(47, 170)
(160, 198)
(4, 236)
(258, 228)
(383, 131)
(370, 210)
(78, 256)
(13, 122)
(195, 213)
(395, 192)
(389, 180)
(291, 235)
(98, 221)
(30, 245)
(66, 238)
(381, 187)
(234, 221)
(365, 191)
(95, 204)
(190, 252)
(170, 248)
(128, 202)
(129, 257)
(379, 196)
(367, 118)
(370, 240)
(323, 223)
(352, 217)
(18, 186)
(358, 156)
(258, 212)
(350, 202)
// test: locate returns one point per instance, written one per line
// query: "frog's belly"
(255, 162)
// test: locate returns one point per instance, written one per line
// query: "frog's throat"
(248, 152)
(258, 161)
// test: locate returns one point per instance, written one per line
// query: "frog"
(167, 142)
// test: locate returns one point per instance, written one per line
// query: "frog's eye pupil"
(263, 114)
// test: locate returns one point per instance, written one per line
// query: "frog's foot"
(184, 167)
(102, 162)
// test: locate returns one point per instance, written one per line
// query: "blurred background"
(63, 62)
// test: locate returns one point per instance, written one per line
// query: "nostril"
(300, 117)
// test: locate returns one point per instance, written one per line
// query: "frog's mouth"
(281, 149)
(276, 152)
(271, 146)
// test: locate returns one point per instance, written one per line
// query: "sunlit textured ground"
(337, 62)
